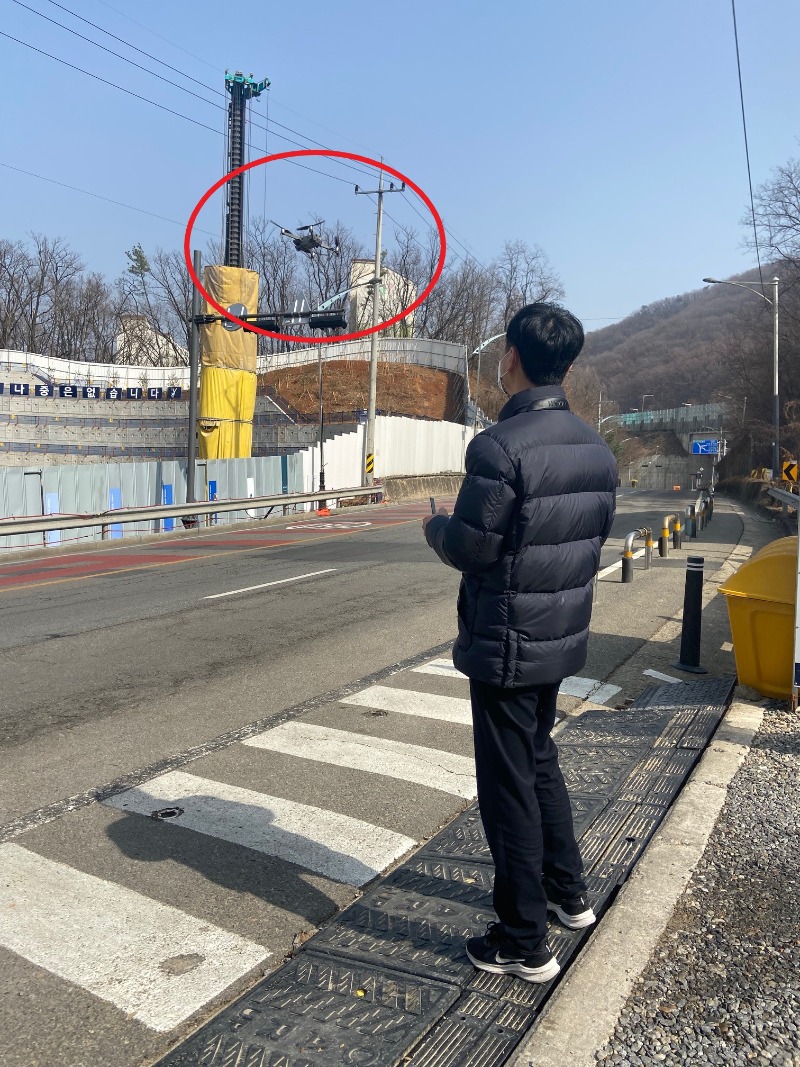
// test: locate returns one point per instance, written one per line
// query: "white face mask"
(501, 374)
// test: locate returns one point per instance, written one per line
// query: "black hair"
(548, 338)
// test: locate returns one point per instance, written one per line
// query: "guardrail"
(48, 523)
(786, 497)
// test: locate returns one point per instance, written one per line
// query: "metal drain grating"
(634, 729)
(400, 929)
(699, 694)
(313, 1008)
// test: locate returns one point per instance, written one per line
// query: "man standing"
(535, 507)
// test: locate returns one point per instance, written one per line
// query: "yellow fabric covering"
(225, 417)
(228, 376)
(235, 349)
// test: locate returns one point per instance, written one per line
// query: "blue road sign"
(709, 447)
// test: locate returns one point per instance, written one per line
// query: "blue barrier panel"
(115, 501)
(284, 474)
(51, 507)
(166, 498)
(212, 495)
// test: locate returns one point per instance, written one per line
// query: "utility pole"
(776, 405)
(194, 363)
(368, 470)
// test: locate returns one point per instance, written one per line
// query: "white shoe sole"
(527, 974)
(573, 922)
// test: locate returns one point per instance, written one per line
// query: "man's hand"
(427, 518)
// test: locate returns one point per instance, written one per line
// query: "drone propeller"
(311, 225)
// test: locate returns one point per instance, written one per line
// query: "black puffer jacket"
(535, 507)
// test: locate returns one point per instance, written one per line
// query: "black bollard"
(627, 568)
(691, 521)
(692, 618)
(677, 540)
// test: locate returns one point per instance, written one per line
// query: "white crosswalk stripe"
(574, 685)
(338, 846)
(150, 960)
(588, 689)
(443, 667)
(434, 768)
(407, 702)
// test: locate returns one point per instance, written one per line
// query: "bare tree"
(777, 212)
(155, 306)
(524, 275)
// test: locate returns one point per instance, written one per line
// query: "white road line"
(661, 677)
(410, 763)
(588, 689)
(443, 667)
(338, 846)
(618, 564)
(407, 702)
(267, 585)
(151, 961)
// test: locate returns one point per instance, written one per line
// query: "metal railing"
(112, 517)
(646, 534)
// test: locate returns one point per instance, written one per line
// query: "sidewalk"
(387, 983)
(720, 980)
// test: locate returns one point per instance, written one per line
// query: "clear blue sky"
(609, 134)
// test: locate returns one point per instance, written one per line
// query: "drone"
(305, 240)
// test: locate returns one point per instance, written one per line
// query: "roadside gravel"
(723, 986)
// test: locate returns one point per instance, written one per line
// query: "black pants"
(524, 805)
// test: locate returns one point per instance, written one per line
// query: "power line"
(214, 67)
(121, 40)
(746, 148)
(175, 70)
(97, 196)
(183, 74)
(190, 92)
(167, 81)
(105, 81)
(154, 103)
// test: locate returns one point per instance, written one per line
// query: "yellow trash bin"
(761, 600)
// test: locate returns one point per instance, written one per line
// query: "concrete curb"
(582, 1014)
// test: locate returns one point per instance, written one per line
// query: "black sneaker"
(573, 912)
(494, 954)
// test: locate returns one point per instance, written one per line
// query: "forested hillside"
(686, 348)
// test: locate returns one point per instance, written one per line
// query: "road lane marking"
(430, 767)
(442, 667)
(24, 586)
(121, 946)
(618, 564)
(338, 846)
(267, 585)
(407, 702)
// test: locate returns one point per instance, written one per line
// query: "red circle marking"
(337, 155)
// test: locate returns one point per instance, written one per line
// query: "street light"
(477, 352)
(647, 396)
(776, 451)
(735, 401)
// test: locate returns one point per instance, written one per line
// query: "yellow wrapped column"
(228, 368)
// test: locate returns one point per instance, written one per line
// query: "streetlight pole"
(477, 352)
(647, 396)
(776, 406)
(194, 370)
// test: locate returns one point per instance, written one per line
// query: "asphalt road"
(128, 666)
